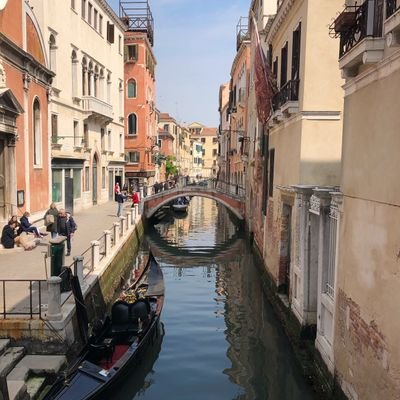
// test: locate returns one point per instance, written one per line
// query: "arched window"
(37, 136)
(74, 70)
(84, 77)
(52, 53)
(132, 124)
(131, 89)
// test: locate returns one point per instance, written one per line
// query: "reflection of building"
(25, 79)
(86, 106)
(139, 83)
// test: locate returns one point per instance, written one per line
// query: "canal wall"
(60, 334)
(313, 367)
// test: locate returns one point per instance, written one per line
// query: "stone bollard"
(116, 233)
(123, 225)
(95, 253)
(107, 242)
(128, 219)
(78, 263)
(54, 292)
(133, 216)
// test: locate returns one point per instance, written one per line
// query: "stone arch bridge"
(231, 196)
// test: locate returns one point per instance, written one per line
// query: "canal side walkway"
(31, 265)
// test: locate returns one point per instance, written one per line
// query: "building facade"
(25, 82)
(141, 144)
(223, 132)
(366, 345)
(86, 109)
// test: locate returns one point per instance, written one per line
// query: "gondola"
(117, 345)
(180, 207)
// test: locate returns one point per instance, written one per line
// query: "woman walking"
(50, 220)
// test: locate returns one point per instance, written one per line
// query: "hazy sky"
(194, 43)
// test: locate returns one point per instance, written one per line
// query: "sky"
(194, 44)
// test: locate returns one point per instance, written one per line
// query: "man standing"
(66, 226)
(120, 201)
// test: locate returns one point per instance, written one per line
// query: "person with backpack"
(50, 220)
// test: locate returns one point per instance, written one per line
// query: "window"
(110, 32)
(103, 139)
(109, 140)
(74, 67)
(95, 19)
(90, 13)
(199, 148)
(56, 186)
(132, 124)
(204, 152)
(54, 127)
(119, 44)
(37, 134)
(103, 177)
(215, 140)
(73, 4)
(214, 152)
(203, 140)
(133, 157)
(86, 135)
(52, 52)
(87, 183)
(77, 183)
(271, 172)
(100, 24)
(130, 53)
(77, 141)
(166, 127)
(284, 57)
(83, 9)
(131, 89)
(296, 53)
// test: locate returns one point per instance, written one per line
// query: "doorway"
(285, 249)
(69, 193)
(94, 190)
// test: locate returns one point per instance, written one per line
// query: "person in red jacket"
(135, 198)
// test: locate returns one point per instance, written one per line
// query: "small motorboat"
(116, 346)
(180, 204)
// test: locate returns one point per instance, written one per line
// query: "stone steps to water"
(27, 378)
(22, 377)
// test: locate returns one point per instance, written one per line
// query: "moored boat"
(116, 345)
(180, 207)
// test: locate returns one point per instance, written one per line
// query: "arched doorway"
(94, 190)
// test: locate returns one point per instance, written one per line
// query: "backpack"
(49, 219)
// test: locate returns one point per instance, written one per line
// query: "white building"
(85, 49)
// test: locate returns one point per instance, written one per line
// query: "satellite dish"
(3, 3)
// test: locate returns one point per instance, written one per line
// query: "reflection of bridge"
(230, 250)
(231, 196)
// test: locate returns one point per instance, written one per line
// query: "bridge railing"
(228, 188)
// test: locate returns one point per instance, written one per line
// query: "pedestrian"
(66, 226)
(9, 235)
(117, 190)
(120, 201)
(27, 227)
(135, 199)
(50, 220)
(156, 187)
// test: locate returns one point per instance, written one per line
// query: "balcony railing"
(356, 23)
(391, 7)
(97, 106)
(288, 92)
(242, 31)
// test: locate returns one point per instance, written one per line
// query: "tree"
(170, 167)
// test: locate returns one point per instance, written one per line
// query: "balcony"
(97, 109)
(360, 29)
(242, 32)
(286, 101)
(391, 25)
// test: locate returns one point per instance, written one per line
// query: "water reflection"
(223, 340)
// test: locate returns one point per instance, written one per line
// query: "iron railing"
(288, 92)
(33, 305)
(366, 21)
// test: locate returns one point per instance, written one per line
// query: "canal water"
(221, 338)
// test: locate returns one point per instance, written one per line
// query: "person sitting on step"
(27, 227)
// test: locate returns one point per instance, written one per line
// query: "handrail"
(31, 282)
